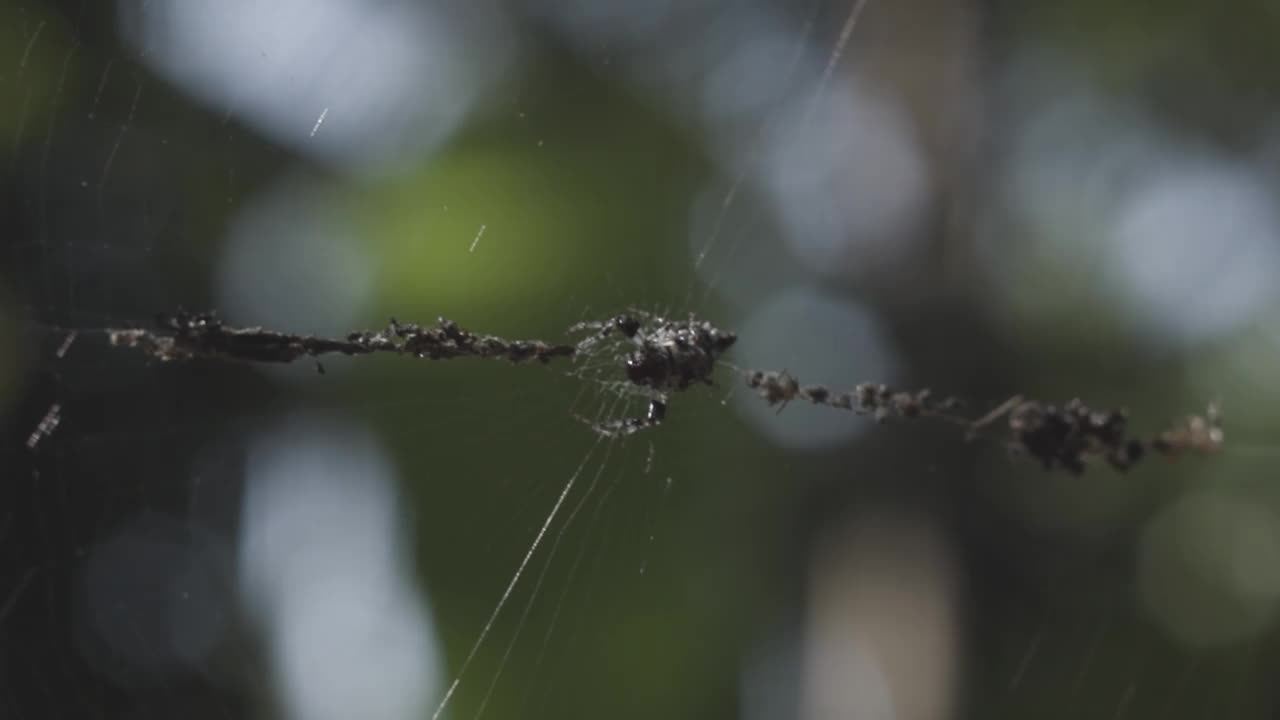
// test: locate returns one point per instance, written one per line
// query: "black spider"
(668, 356)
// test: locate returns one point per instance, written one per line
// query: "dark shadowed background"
(1056, 199)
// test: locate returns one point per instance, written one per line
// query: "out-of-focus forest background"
(1057, 199)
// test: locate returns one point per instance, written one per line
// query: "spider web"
(137, 493)
(395, 537)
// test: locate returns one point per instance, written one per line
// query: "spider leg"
(599, 328)
(599, 332)
(656, 413)
(587, 325)
(649, 318)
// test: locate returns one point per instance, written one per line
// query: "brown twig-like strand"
(185, 336)
(658, 356)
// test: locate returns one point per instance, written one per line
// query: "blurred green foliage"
(691, 544)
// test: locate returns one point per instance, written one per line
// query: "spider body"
(674, 355)
(668, 356)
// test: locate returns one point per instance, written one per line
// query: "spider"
(668, 356)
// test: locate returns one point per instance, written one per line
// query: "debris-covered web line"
(659, 357)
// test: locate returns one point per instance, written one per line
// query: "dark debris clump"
(1070, 435)
(778, 388)
(1074, 434)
